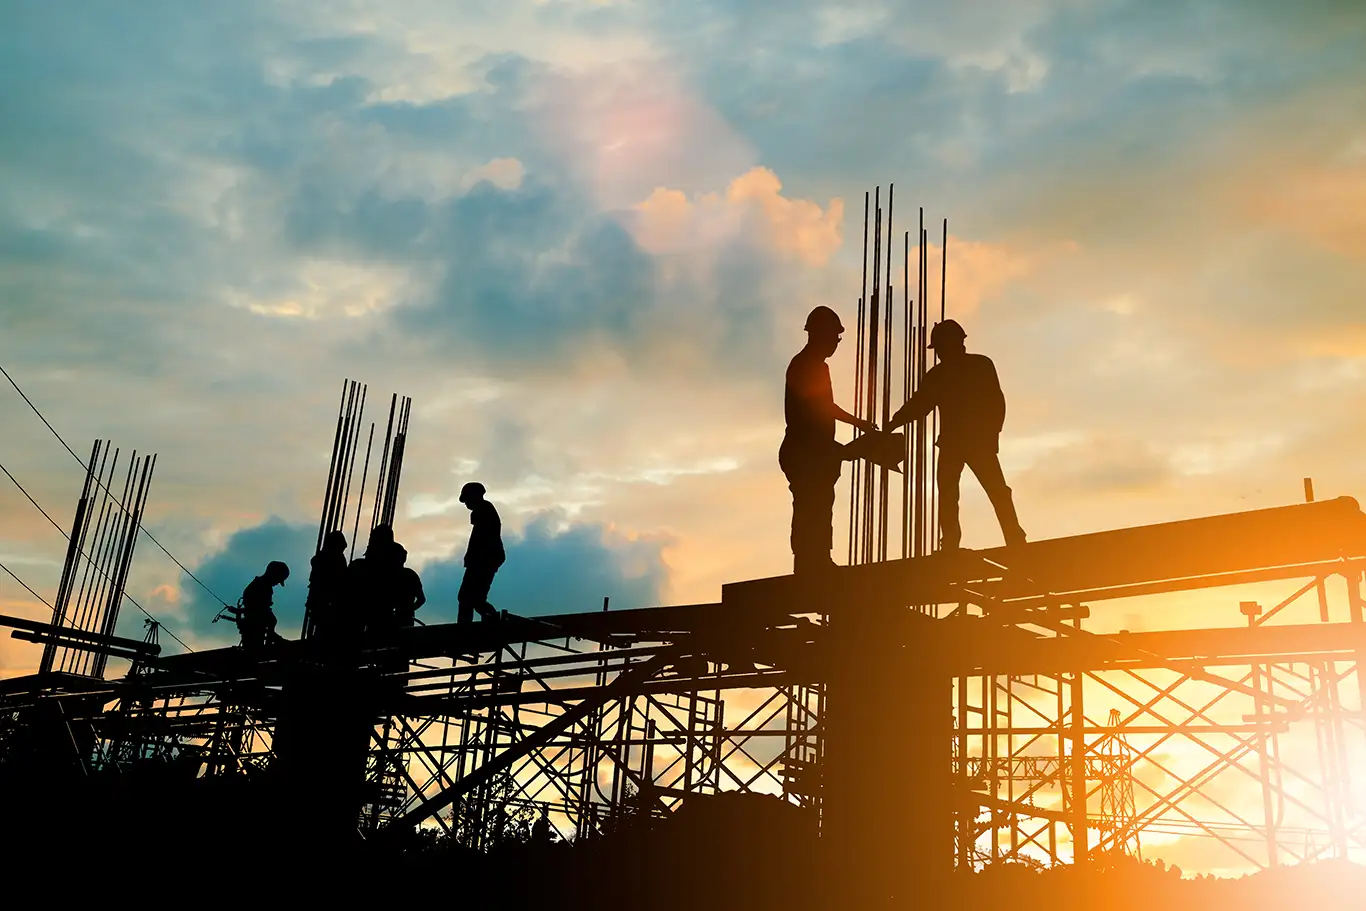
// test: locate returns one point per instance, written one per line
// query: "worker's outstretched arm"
(860, 423)
(921, 404)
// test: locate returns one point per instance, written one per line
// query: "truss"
(1058, 744)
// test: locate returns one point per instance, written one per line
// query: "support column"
(888, 822)
(1081, 835)
(321, 741)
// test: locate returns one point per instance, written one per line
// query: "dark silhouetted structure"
(326, 584)
(483, 556)
(809, 456)
(407, 590)
(972, 409)
(255, 619)
(904, 726)
(366, 579)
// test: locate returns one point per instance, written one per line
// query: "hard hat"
(277, 570)
(947, 331)
(473, 488)
(823, 319)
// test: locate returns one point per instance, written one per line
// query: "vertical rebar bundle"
(886, 346)
(342, 469)
(92, 583)
(391, 465)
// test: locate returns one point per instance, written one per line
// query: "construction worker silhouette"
(809, 456)
(408, 594)
(326, 579)
(366, 580)
(483, 556)
(255, 619)
(972, 411)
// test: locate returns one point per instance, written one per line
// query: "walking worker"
(255, 619)
(810, 457)
(483, 556)
(972, 411)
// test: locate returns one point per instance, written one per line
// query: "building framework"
(930, 713)
(595, 717)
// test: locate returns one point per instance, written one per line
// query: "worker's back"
(408, 596)
(485, 549)
(808, 402)
(257, 597)
(972, 409)
(326, 579)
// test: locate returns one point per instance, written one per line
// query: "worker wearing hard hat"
(809, 456)
(972, 411)
(483, 555)
(255, 619)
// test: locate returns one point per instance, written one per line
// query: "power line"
(142, 528)
(63, 533)
(31, 500)
(125, 594)
(25, 585)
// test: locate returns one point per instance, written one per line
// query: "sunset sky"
(583, 236)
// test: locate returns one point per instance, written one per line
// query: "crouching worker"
(255, 619)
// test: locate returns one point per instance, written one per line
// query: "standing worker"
(972, 411)
(326, 581)
(483, 556)
(809, 456)
(368, 578)
(255, 619)
(408, 594)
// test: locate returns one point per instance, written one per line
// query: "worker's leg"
(948, 476)
(987, 468)
(466, 598)
(253, 634)
(474, 593)
(271, 637)
(811, 523)
(486, 610)
(813, 503)
(789, 462)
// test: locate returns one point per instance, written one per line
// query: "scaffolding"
(955, 698)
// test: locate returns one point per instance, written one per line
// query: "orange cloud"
(1327, 205)
(668, 222)
(977, 271)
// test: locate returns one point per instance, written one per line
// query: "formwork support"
(888, 818)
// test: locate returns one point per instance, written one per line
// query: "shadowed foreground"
(739, 851)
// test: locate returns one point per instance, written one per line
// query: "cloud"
(624, 129)
(553, 566)
(1099, 467)
(557, 567)
(242, 557)
(1325, 204)
(668, 222)
(536, 279)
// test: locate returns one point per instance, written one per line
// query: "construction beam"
(1180, 553)
(978, 646)
(75, 638)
